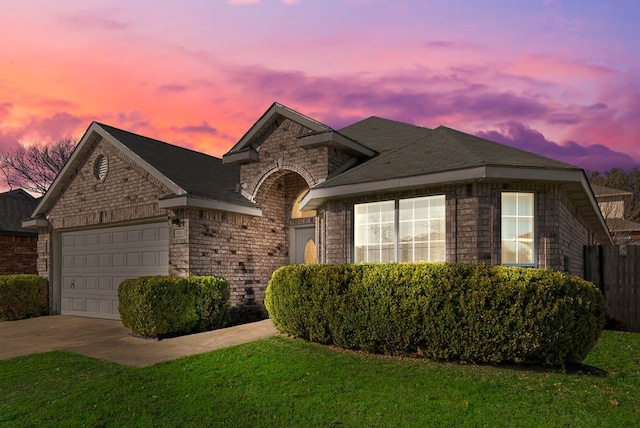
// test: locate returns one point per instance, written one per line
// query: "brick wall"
(279, 150)
(474, 224)
(127, 193)
(573, 236)
(18, 254)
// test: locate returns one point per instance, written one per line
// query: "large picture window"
(405, 230)
(518, 229)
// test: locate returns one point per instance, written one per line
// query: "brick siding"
(18, 254)
(473, 224)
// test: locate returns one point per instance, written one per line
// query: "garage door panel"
(133, 259)
(163, 257)
(91, 260)
(95, 262)
(92, 239)
(78, 305)
(134, 236)
(92, 283)
(119, 237)
(149, 258)
(119, 260)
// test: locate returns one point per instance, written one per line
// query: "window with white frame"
(374, 232)
(421, 229)
(518, 237)
(406, 230)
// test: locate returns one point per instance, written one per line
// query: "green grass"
(285, 382)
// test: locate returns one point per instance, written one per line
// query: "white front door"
(95, 262)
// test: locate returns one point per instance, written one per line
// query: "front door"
(304, 245)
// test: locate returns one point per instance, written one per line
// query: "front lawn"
(284, 382)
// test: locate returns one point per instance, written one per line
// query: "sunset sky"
(556, 77)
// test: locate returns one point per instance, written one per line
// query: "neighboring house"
(293, 190)
(613, 204)
(17, 245)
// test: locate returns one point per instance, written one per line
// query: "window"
(405, 230)
(422, 225)
(295, 211)
(374, 232)
(518, 229)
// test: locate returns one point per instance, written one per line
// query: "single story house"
(294, 190)
(17, 245)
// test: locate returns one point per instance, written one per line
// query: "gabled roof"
(410, 156)
(196, 174)
(196, 179)
(274, 115)
(15, 206)
(407, 150)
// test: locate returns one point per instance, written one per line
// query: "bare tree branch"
(35, 167)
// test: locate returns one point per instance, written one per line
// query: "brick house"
(17, 245)
(613, 204)
(293, 190)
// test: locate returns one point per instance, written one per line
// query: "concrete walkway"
(110, 340)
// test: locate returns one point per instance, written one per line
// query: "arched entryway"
(288, 234)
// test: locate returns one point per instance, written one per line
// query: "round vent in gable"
(101, 167)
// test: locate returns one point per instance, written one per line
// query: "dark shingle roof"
(382, 135)
(197, 173)
(407, 150)
(15, 206)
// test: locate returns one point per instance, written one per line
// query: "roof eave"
(187, 201)
(35, 223)
(574, 181)
(335, 139)
(239, 158)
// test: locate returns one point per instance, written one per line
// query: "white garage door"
(95, 262)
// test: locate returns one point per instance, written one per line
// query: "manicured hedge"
(440, 311)
(169, 305)
(23, 296)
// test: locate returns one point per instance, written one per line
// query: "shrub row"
(169, 305)
(440, 311)
(23, 296)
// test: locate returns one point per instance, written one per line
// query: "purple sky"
(559, 78)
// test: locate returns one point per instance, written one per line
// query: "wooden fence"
(615, 270)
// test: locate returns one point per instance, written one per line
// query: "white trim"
(35, 223)
(183, 201)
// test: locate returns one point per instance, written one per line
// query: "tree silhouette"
(35, 167)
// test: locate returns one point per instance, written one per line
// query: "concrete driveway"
(110, 340)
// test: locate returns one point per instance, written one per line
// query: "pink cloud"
(5, 108)
(203, 128)
(172, 88)
(595, 157)
(95, 20)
